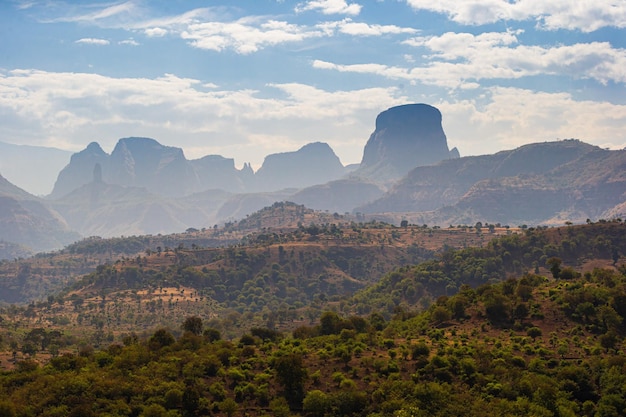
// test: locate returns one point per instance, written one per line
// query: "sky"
(248, 78)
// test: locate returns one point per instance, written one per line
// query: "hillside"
(543, 183)
(26, 220)
(547, 343)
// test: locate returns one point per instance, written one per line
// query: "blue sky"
(247, 78)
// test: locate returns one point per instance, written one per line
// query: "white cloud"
(245, 35)
(214, 28)
(92, 41)
(71, 109)
(130, 42)
(348, 27)
(330, 7)
(511, 117)
(459, 60)
(155, 32)
(586, 16)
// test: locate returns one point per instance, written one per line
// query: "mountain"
(28, 220)
(315, 163)
(539, 183)
(405, 137)
(164, 170)
(144, 162)
(32, 168)
(217, 172)
(80, 170)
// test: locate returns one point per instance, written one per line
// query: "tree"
(316, 403)
(291, 374)
(228, 407)
(554, 264)
(161, 338)
(212, 335)
(534, 332)
(330, 323)
(193, 324)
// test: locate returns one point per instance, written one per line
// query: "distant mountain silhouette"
(164, 170)
(80, 170)
(315, 163)
(407, 172)
(406, 137)
(28, 220)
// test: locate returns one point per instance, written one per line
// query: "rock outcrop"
(406, 137)
(164, 170)
(217, 172)
(80, 170)
(315, 163)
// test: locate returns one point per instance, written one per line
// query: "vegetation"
(489, 358)
(529, 323)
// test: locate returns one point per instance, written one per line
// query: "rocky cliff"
(406, 137)
(315, 163)
(164, 170)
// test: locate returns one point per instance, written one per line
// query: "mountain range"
(407, 173)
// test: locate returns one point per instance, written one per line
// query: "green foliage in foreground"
(517, 348)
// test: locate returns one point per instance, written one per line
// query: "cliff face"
(164, 170)
(315, 163)
(80, 170)
(405, 137)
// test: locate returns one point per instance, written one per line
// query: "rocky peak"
(314, 163)
(405, 137)
(80, 170)
(144, 162)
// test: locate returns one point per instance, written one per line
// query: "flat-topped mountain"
(406, 137)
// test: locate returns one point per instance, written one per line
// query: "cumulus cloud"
(92, 41)
(511, 117)
(349, 27)
(70, 109)
(457, 59)
(330, 7)
(155, 32)
(245, 35)
(586, 16)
